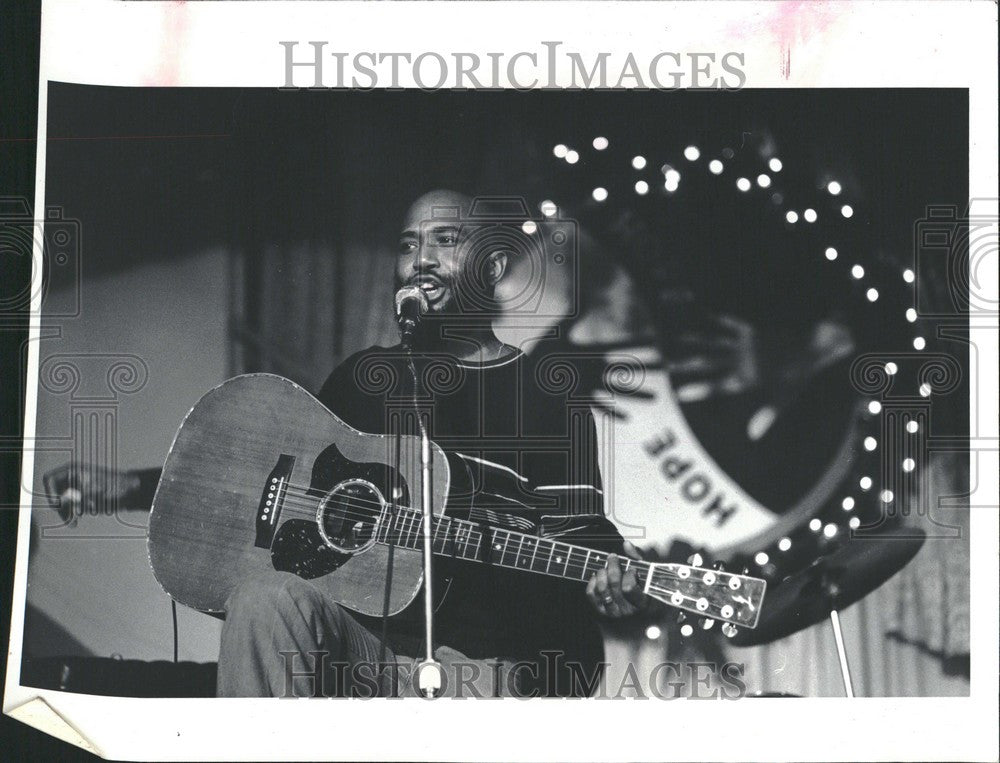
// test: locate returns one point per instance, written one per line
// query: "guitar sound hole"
(349, 516)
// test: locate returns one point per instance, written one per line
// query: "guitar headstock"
(717, 594)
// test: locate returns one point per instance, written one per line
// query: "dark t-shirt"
(522, 446)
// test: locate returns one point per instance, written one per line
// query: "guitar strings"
(411, 528)
(409, 533)
(303, 496)
(592, 562)
(303, 500)
(299, 505)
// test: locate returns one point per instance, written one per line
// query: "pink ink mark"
(173, 27)
(788, 24)
(796, 21)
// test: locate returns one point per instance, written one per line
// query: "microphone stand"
(428, 670)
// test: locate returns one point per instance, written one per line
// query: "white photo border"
(831, 45)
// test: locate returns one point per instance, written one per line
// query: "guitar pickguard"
(300, 547)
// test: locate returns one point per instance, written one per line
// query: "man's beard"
(447, 305)
(455, 310)
(464, 296)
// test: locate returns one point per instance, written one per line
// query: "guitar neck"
(500, 547)
(734, 599)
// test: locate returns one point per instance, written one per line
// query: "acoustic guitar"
(262, 477)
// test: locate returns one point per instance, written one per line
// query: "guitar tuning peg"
(746, 571)
(719, 566)
(681, 617)
(695, 560)
(706, 623)
(729, 630)
(686, 630)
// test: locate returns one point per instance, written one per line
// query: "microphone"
(411, 303)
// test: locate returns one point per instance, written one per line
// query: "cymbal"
(832, 582)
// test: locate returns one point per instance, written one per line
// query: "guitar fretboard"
(722, 595)
(464, 539)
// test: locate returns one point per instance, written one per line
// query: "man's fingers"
(631, 551)
(734, 326)
(71, 494)
(600, 593)
(606, 592)
(601, 584)
(613, 592)
(630, 589)
(615, 586)
(614, 571)
(70, 504)
(698, 391)
(56, 483)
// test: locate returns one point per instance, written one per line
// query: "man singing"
(523, 456)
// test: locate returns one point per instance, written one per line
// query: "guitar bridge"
(271, 500)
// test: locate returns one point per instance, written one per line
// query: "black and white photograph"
(355, 394)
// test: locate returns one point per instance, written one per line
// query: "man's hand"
(75, 488)
(721, 358)
(614, 594)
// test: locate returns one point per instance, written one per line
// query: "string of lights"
(874, 488)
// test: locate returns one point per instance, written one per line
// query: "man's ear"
(496, 266)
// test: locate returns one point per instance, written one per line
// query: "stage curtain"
(303, 309)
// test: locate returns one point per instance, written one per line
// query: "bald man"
(523, 455)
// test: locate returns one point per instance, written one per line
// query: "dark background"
(157, 174)
(179, 160)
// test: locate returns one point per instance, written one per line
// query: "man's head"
(437, 252)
